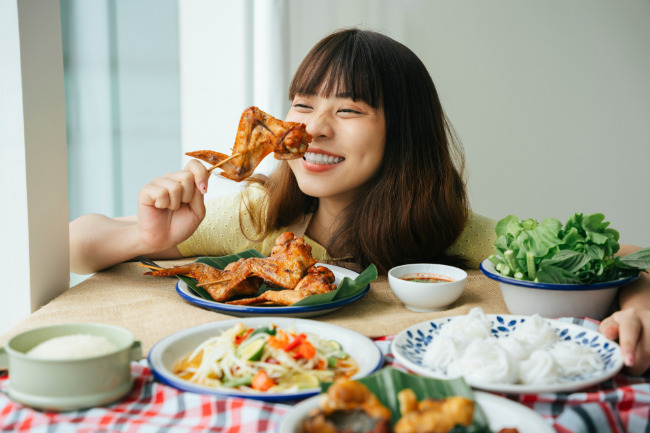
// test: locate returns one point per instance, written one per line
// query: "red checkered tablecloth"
(618, 405)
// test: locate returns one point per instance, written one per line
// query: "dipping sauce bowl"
(426, 297)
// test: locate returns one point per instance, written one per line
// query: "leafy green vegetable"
(347, 289)
(580, 253)
(388, 382)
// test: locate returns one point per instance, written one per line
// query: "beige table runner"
(150, 308)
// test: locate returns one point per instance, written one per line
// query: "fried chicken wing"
(258, 135)
(319, 280)
(433, 415)
(287, 265)
(349, 407)
(203, 273)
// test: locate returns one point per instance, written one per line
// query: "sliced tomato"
(262, 382)
(306, 350)
(273, 361)
(240, 338)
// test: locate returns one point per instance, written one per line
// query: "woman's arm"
(631, 325)
(170, 209)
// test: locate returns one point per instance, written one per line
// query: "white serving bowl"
(556, 300)
(426, 297)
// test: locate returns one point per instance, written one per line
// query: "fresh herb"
(581, 252)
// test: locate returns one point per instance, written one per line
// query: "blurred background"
(550, 99)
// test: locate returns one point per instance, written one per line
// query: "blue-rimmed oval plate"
(189, 295)
(409, 346)
(170, 349)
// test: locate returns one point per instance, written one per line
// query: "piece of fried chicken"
(287, 265)
(203, 273)
(258, 135)
(432, 415)
(349, 407)
(319, 280)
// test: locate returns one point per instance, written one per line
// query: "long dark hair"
(416, 205)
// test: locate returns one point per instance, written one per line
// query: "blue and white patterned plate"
(409, 346)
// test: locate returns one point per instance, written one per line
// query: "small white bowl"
(426, 297)
(556, 300)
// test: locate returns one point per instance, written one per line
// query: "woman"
(381, 183)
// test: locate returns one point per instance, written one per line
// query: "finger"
(629, 332)
(201, 175)
(174, 189)
(642, 359)
(154, 195)
(186, 180)
(197, 204)
(609, 328)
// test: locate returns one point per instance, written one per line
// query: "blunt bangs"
(341, 65)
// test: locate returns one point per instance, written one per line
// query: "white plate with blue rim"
(185, 292)
(170, 349)
(409, 346)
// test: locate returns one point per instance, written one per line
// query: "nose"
(320, 126)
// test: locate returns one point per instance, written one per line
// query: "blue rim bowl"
(488, 270)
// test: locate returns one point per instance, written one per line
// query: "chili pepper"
(240, 338)
(295, 343)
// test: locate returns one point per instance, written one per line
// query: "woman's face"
(347, 148)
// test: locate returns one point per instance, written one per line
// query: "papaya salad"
(265, 360)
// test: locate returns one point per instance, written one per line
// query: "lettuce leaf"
(580, 252)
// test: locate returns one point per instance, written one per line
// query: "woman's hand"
(170, 208)
(632, 329)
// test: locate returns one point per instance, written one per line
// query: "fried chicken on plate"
(287, 265)
(348, 407)
(319, 280)
(203, 273)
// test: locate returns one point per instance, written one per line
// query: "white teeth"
(320, 158)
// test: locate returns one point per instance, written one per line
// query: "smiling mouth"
(320, 158)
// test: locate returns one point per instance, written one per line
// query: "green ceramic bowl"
(64, 385)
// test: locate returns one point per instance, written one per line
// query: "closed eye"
(347, 110)
(302, 106)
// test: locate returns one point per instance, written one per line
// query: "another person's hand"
(170, 208)
(631, 327)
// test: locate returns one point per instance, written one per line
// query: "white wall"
(551, 99)
(34, 258)
(232, 55)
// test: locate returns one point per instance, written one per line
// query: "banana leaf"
(388, 382)
(348, 287)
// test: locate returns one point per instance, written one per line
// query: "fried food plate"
(170, 349)
(286, 311)
(501, 413)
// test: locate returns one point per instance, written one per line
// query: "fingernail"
(629, 359)
(203, 187)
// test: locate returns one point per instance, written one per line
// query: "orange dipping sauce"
(427, 278)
